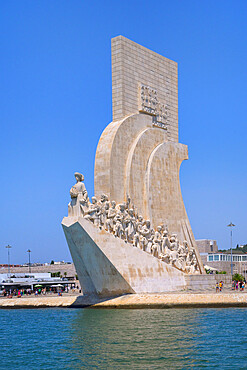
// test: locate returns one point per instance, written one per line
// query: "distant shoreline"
(133, 301)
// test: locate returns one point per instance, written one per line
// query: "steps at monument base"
(200, 282)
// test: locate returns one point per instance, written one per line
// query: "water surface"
(123, 339)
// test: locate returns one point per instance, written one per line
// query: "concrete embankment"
(37, 302)
(171, 300)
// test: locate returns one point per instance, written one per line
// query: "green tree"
(238, 277)
(55, 274)
(52, 262)
(244, 249)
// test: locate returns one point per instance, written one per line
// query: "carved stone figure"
(128, 202)
(156, 247)
(119, 228)
(146, 237)
(111, 215)
(182, 255)
(130, 226)
(174, 244)
(123, 221)
(103, 210)
(165, 255)
(106, 211)
(186, 248)
(165, 241)
(136, 239)
(79, 197)
(92, 213)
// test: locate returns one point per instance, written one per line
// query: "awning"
(57, 286)
(210, 268)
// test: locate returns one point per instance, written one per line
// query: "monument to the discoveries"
(135, 235)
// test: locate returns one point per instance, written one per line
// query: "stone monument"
(135, 236)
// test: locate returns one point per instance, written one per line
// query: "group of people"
(219, 286)
(26, 292)
(16, 292)
(123, 221)
(38, 291)
(238, 285)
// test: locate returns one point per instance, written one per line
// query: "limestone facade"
(138, 154)
(134, 65)
(138, 157)
(140, 162)
(107, 266)
(207, 246)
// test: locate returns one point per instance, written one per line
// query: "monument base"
(108, 266)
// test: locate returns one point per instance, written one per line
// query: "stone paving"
(184, 299)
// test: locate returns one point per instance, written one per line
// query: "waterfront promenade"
(166, 300)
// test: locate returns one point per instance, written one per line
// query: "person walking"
(217, 287)
(221, 285)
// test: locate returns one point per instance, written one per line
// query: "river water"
(123, 339)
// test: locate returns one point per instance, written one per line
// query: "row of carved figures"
(123, 221)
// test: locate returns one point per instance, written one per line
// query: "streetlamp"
(8, 247)
(29, 259)
(231, 225)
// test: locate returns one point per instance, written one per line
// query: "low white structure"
(223, 257)
(30, 280)
(19, 276)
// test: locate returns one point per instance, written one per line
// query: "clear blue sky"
(55, 101)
